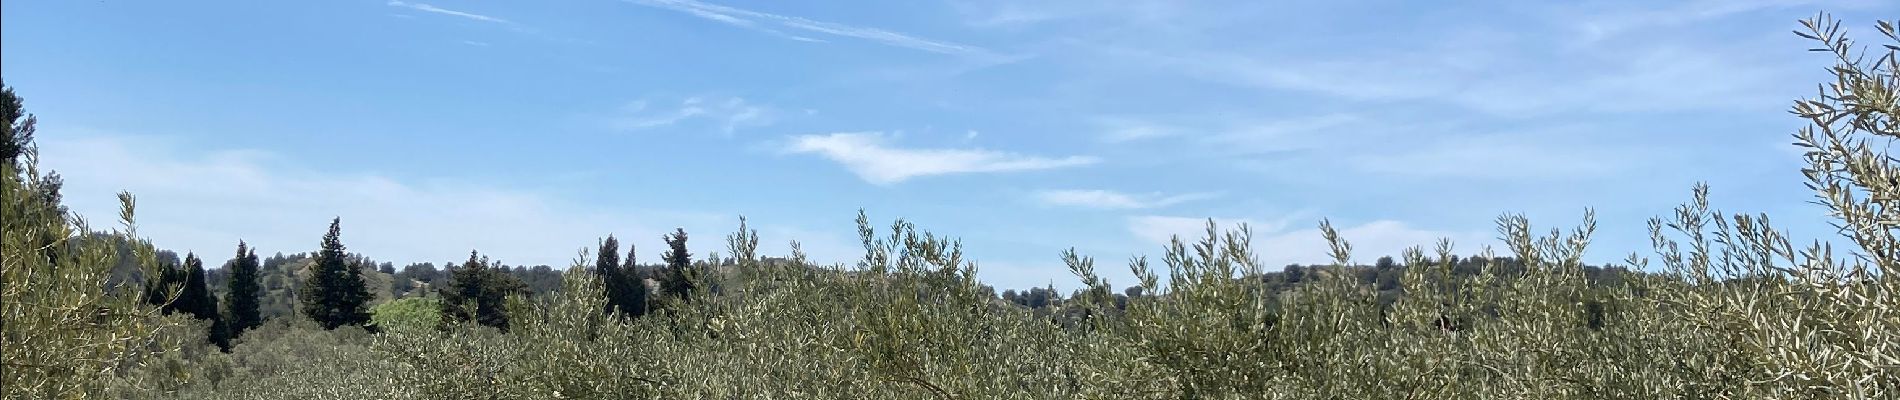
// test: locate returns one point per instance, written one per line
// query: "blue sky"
(528, 130)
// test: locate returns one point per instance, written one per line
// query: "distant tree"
(478, 292)
(334, 295)
(625, 289)
(677, 283)
(182, 290)
(1039, 298)
(168, 257)
(162, 290)
(18, 139)
(194, 298)
(1385, 263)
(400, 286)
(416, 273)
(607, 255)
(632, 284)
(244, 292)
(542, 279)
(277, 261)
(1294, 273)
(1133, 292)
(202, 305)
(387, 268)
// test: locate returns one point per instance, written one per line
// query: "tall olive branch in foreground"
(62, 335)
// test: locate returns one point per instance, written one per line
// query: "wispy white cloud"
(1127, 129)
(1601, 59)
(1596, 25)
(729, 114)
(1369, 241)
(425, 7)
(1231, 134)
(1108, 199)
(867, 155)
(1522, 155)
(205, 201)
(475, 43)
(1014, 14)
(1283, 134)
(772, 23)
(1276, 246)
(1159, 229)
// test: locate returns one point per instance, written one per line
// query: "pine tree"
(245, 291)
(479, 292)
(677, 283)
(334, 294)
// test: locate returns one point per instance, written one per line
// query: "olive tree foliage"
(1839, 334)
(63, 334)
(1737, 311)
(297, 359)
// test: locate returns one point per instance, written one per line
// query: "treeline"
(336, 288)
(265, 292)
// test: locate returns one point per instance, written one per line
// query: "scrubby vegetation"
(1727, 307)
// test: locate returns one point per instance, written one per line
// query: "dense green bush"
(1728, 309)
(408, 313)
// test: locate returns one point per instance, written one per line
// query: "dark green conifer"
(334, 294)
(677, 282)
(244, 292)
(479, 292)
(625, 290)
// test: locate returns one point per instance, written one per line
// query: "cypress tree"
(677, 284)
(195, 299)
(626, 293)
(478, 292)
(245, 291)
(163, 290)
(201, 304)
(334, 295)
(634, 286)
(607, 265)
(192, 297)
(607, 257)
